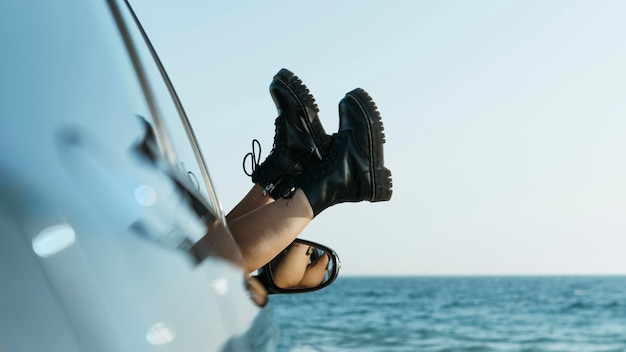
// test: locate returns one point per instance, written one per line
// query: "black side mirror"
(304, 266)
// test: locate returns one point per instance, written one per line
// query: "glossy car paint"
(95, 235)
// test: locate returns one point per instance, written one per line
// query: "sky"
(505, 122)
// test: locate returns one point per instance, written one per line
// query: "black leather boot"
(299, 141)
(354, 169)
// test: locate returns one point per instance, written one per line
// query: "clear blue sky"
(505, 121)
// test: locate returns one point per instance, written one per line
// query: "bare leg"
(289, 272)
(254, 199)
(314, 275)
(294, 269)
(262, 233)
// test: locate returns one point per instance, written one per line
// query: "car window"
(166, 116)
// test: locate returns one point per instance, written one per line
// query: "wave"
(456, 314)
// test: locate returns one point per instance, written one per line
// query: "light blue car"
(111, 236)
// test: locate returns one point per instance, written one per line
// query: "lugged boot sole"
(381, 176)
(304, 97)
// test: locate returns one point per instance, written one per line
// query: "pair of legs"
(263, 227)
(308, 170)
(300, 266)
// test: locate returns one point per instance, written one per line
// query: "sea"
(486, 313)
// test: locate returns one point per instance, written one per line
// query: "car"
(112, 237)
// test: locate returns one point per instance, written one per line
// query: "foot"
(354, 169)
(292, 98)
(299, 141)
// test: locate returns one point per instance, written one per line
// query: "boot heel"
(384, 185)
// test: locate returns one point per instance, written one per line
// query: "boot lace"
(285, 187)
(327, 164)
(254, 158)
(279, 145)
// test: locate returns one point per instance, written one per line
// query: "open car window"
(165, 114)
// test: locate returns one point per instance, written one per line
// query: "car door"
(103, 196)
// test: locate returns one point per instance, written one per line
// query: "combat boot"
(300, 140)
(354, 169)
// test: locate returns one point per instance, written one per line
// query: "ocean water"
(456, 314)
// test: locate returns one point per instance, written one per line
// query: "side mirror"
(304, 266)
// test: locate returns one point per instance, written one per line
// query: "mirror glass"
(303, 266)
